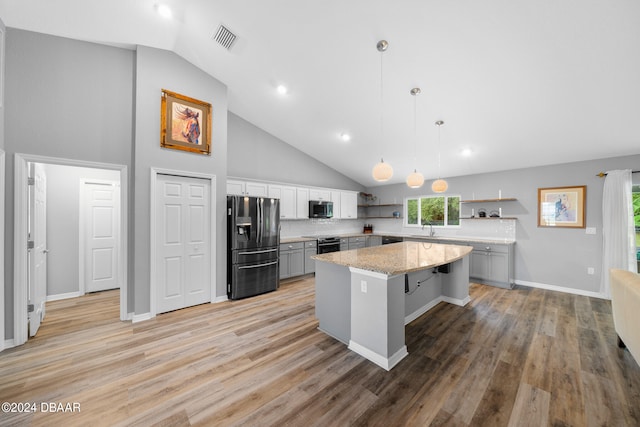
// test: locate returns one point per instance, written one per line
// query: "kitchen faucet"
(431, 232)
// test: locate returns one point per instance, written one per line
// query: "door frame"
(21, 199)
(82, 225)
(2, 207)
(153, 291)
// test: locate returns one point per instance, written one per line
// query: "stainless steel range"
(328, 244)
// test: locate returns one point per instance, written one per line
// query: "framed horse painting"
(185, 123)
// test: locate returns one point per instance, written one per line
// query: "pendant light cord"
(381, 105)
(439, 123)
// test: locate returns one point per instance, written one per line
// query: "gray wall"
(254, 153)
(547, 256)
(63, 216)
(64, 98)
(3, 29)
(155, 70)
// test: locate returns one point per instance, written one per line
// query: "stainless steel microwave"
(319, 209)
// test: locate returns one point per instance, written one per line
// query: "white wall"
(63, 215)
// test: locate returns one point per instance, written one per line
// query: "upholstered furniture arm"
(625, 304)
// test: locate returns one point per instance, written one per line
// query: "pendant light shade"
(382, 171)
(415, 179)
(439, 185)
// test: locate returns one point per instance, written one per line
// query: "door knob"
(45, 251)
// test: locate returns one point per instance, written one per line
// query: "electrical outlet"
(363, 286)
(591, 270)
(590, 230)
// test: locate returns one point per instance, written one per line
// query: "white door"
(37, 256)
(183, 264)
(100, 227)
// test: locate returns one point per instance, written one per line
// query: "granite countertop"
(486, 240)
(397, 258)
(462, 239)
(297, 239)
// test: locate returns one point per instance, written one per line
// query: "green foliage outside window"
(439, 211)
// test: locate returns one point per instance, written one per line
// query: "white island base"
(368, 310)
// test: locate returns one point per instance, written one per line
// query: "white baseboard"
(141, 317)
(9, 344)
(561, 289)
(422, 310)
(220, 299)
(456, 301)
(384, 362)
(68, 295)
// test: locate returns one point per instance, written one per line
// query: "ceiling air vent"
(224, 37)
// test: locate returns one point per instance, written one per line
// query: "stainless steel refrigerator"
(253, 236)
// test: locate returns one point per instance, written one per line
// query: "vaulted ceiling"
(519, 83)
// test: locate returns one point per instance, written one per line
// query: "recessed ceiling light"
(466, 152)
(164, 11)
(345, 137)
(282, 89)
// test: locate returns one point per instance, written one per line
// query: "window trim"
(431, 196)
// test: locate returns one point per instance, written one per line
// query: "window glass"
(453, 211)
(432, 210)
(636, 217)
(439, 211)
(412, 211)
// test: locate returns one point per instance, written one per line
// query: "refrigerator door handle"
(245, 267)
(258, 252)
(261, 219)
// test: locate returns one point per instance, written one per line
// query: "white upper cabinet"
(294, 200)
(247, 188)
(287, 196)
(235, 187)
(348, 205)
(320, 194)
(335, 199)
(302, 202)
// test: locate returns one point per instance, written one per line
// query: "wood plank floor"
(509, 358)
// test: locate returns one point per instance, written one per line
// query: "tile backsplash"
(494, 228)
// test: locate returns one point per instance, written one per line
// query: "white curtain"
(618, 228)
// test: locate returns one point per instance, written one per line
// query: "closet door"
(182, 234)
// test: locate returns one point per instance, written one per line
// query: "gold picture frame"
(185, 123)
(562, 206)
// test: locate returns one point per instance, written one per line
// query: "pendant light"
(415, 179)
(382, 171)
(439, 185)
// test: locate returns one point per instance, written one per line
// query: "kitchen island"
(365, 297)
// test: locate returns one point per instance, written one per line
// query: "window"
(636, 217)
(440, 211)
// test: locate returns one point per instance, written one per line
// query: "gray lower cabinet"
(357, 242)
(374, 241)
(344, 244)
(291, 259)
(489, 263)
(310, 249)
(492, 264)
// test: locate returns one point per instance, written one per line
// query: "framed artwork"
(562, 206)
(185, 123)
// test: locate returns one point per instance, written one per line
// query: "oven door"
(329, 247)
